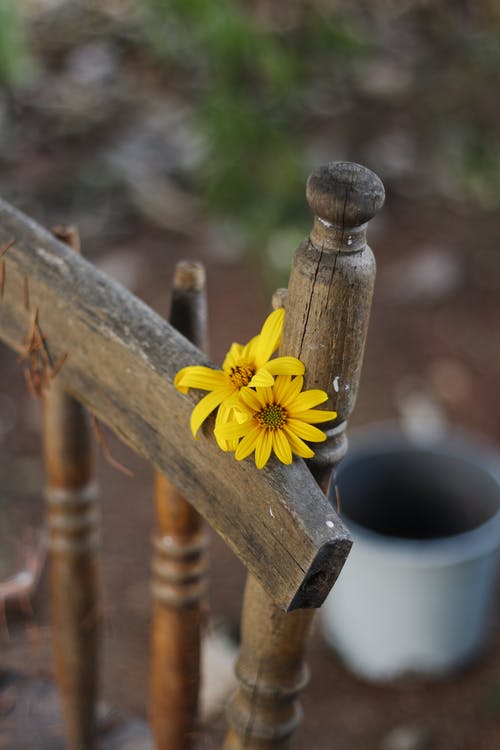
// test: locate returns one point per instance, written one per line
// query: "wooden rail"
(121, 361)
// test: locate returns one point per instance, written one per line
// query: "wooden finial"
(188, 313)
(189, 275)
(343, 196)
(332, 280)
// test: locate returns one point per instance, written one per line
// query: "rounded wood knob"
(189, 275)
(344, 194)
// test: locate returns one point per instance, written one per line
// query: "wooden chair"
(116, 359)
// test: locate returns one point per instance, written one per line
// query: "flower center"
(241, 375)
(272, 417)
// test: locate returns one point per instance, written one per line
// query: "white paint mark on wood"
(324, 222)
(53, 260)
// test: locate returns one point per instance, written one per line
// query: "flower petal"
(232, 430)
(205, 407)
(196, 376)
(315, 415)
(265, 396)
(263, 448)
(247, 444)
(250, 399)
(233, 357)
(281, 447)
(262, 379)
(249, 351)
(306, 400)
(297, 446)
(281, 386)
(306, 431)
(291, 391)
(269, 337)
(225, 414)
(285, 366)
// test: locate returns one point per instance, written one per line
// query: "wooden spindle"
(178, 565)
(72, 517)
(327, 311)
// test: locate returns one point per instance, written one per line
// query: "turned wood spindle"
(72, 518)
(179, 565)
(327, 311)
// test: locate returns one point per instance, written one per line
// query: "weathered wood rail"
(121, 362)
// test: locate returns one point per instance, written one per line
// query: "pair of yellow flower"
(260, 403)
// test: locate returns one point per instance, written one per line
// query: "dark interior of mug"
(416, 494)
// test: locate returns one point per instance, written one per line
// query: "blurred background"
(187, 129)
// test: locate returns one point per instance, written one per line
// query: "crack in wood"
(309, 303)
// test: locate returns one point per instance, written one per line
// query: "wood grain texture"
(327, 309)
(335, 272)
(122, 359)
(179, 565)
(74, 581)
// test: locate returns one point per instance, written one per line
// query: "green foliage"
(15, 61)
(459, 111)
(250, 84)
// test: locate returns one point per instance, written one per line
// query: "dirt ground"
(432, 344)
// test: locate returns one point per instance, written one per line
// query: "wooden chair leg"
(178, 591)
(327, 312)
(179, 565)
(72, 517)
(264, 712)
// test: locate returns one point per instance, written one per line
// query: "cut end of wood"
(344, 194)
(189, 276)
(322, 574)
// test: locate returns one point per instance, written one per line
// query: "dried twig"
(58, 365)
(39, 371)
(26, 293)
(3, 250)
(5, 247)
(29, 382)
(99, 436)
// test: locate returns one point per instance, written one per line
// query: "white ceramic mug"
(417, 590)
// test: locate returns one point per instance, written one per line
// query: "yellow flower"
(244, 365)
(277, 418)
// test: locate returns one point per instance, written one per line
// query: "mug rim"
(388, 437)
